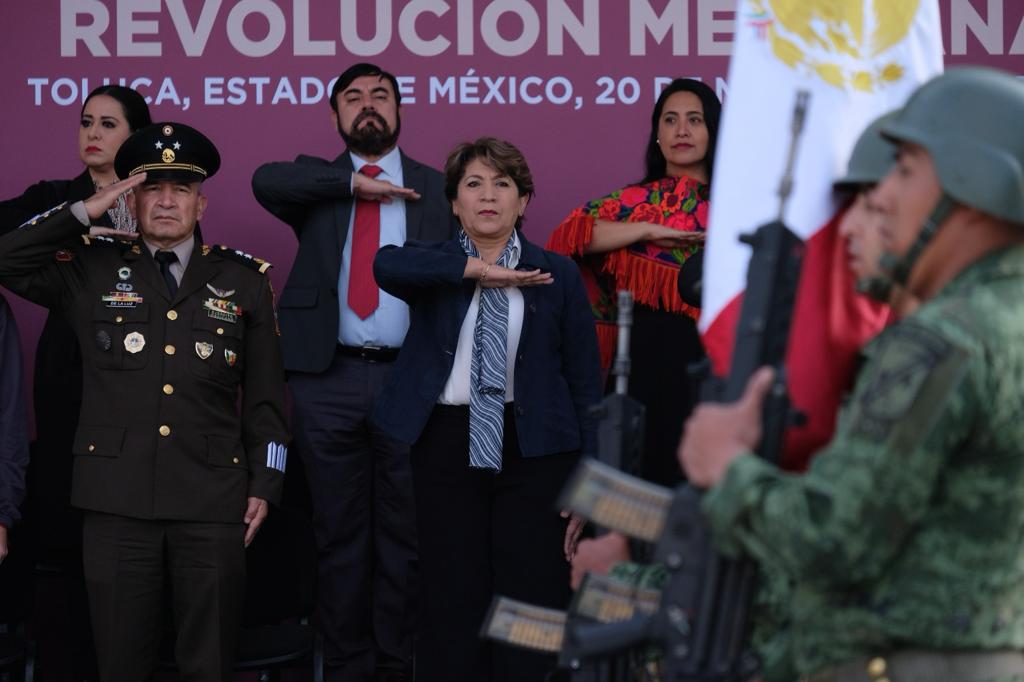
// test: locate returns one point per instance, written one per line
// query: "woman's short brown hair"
(500, 155)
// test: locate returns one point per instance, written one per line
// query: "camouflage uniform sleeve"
(264, 427)
(844, 519)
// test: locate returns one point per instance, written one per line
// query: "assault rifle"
(620, 430)
(703, 621)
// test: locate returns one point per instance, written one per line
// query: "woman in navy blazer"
(492, 390)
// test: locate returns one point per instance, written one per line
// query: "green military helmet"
(969, 121)
(871, 158)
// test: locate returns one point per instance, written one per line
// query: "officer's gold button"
(876, 667)
(165, 430)
(220, 330)
(235, 460)
(92, 448)
(168, 389)
(118, 319)
(169, 349)
(172, 314)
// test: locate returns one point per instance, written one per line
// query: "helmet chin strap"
(899, 267)
(877, 288)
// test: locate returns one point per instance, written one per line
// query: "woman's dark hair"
(136, 111)
(500, 155)
(654, 161)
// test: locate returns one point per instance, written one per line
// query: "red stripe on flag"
(831, 323)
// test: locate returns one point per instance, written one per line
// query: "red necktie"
(362, 288)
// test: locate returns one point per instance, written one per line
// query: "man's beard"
(370, 140)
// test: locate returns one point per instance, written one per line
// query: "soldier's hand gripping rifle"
(704, 617)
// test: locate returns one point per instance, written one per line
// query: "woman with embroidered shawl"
(637, 238)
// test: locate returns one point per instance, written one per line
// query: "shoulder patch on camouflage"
(42, 216)
(899, 369)
(242, 257)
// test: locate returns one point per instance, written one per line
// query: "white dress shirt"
(386, 326)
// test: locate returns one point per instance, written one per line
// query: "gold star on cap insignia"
(159, 145)
(168, 131)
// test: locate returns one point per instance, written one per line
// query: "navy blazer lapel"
(466, 291)
(532, 257)
(343, 210)
(413, 177)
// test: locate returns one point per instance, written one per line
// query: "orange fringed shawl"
(647, 270)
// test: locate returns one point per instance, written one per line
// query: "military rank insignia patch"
(42, 216)
(911, 374)
(134, 342)
(223, 310)
(230, 357)
(204, 350)
(220, 293)
(277, 456)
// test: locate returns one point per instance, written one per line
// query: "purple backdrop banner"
(571, 82)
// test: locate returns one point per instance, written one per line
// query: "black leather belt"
(369, 353)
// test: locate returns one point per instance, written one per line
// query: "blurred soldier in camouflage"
(905, 539)
(870, 161)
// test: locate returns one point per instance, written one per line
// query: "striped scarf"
(488, 368)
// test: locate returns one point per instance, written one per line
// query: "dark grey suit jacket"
(313, 196)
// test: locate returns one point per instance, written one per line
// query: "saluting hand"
(255, 513)
(498, 277)
(716, 434)
(383, 191)
(492, 276)
(97, 204)
(668, 238)
(95, 231)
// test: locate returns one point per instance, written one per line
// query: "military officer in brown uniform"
(174, 471)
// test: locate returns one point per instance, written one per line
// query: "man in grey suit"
(340, 334)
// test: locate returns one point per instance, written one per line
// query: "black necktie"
(165, 259)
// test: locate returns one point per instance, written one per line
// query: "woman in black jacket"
(109, 115)
(492, 390)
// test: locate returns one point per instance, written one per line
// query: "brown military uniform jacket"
(162, 433)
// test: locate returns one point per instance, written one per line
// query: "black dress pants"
(125, 562)
(483, 534)
(361, 490)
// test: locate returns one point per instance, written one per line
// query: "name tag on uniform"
(121, 299)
